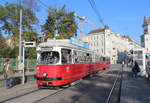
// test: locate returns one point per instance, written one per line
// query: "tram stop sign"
(29, 44)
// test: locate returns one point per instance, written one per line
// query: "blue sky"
(123, 16)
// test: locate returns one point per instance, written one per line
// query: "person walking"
(8, 73)
(135, 69)
(122, 64)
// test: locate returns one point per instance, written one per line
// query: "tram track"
(102, 73)
(119, 80)
(34, 91)
(18, 95)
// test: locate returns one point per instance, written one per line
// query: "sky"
(124, 17)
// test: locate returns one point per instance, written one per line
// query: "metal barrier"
(30, 64)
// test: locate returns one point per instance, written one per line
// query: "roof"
(127, 37)
(96, 30)
(99, 29)
(60, 43)
(147, 19)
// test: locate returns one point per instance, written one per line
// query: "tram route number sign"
(29, 44)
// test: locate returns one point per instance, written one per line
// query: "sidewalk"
(17, 90)
(29, 77)
(134, 90)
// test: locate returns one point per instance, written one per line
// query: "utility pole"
(20, 39)
(21, 64)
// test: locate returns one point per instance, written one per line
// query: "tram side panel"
(57, 75)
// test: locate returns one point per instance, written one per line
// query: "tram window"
(51, 57)
(66, 56)
(102, 59)
(75, 57)
(81, 57)
(88, 58)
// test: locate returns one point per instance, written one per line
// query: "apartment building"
(106, 43)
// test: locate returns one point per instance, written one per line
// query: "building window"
(145, 31)
(146, 39)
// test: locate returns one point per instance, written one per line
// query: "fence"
(30, 64)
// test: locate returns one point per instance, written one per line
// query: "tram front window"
(51, 57)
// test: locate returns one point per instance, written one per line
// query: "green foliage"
(30, 36)
(14, 52)
(10, 18)
(4, 48)
(31, 53)
(59, 22)
(10, 22)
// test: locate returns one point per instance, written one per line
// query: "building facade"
(109, 44)
(106, 43)
(145, 38)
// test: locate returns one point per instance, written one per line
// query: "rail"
(115, 92)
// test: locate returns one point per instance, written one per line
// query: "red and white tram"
(60, 63)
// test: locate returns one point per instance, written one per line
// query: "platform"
(134, 90)
(17, 90)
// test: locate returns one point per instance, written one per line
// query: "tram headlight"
(37, 68)
(45, 74)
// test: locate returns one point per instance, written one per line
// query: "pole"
(20, 39)
(23, 61)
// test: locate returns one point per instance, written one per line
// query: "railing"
(30, 64)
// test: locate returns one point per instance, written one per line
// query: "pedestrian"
(135, 69)
(8, 73)
(122, 64)
(50, 58)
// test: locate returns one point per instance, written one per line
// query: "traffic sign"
(29, 44)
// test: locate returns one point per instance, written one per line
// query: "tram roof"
(62, 43)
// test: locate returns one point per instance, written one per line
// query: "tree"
(9, 19)
(60, 23)
(4, 48)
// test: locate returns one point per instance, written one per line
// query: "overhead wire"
(43, 4)
(94, 7)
